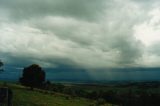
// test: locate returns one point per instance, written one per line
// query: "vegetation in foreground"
(23, 96)
(130, 94)
(122, 94)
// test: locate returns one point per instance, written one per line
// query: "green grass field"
(130, 94)
(137, 94)
(22, 96)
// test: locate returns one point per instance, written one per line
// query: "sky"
(87, 34)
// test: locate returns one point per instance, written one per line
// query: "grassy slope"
(24, 97)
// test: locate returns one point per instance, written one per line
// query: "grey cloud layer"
(79, 33)
(85, 9)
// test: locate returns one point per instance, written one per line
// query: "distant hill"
(70, 75)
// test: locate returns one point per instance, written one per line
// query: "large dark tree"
(1, 64)
(33, 76)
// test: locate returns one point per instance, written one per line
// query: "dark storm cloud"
(77, 33)
(82, 9)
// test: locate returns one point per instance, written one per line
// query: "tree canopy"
(1, 64)
(33, 76)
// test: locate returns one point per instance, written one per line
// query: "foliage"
(33, 76)
(143, 94)
(1, 64)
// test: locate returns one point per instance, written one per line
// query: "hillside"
(22, 96)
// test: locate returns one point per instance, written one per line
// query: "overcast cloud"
(80, 33)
